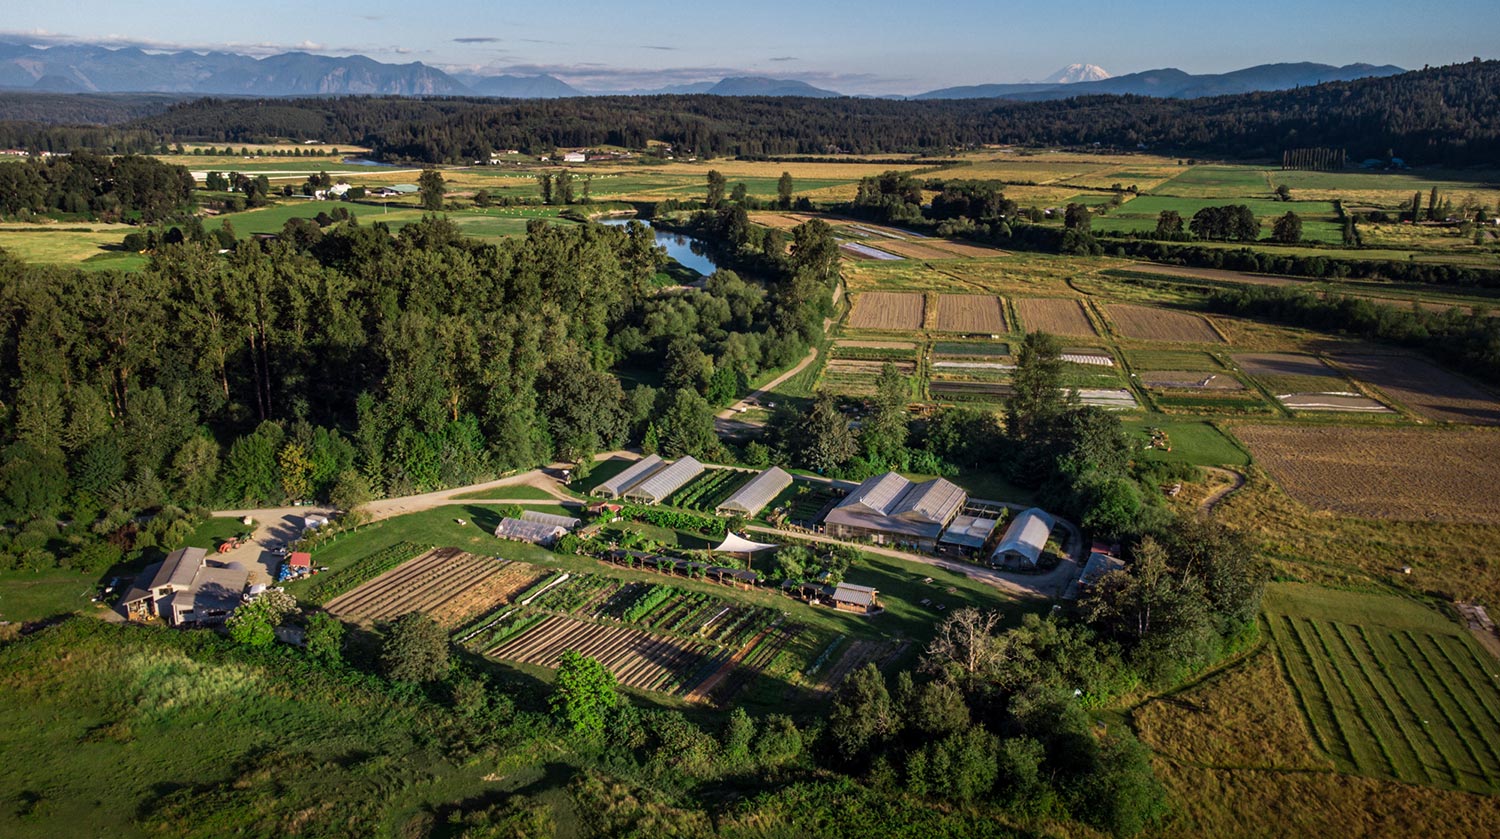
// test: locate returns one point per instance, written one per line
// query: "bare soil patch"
(1057, 315)
(1190, 380)
(896, 311)
(1283, 364)
(1338, 402)
(1409, 474)
(971, 313)
(1425, 387)
(1152, 324)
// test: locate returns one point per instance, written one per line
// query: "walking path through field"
(1237, 480)
(760, 392)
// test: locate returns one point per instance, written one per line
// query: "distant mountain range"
(1173, 83)
(93, 69)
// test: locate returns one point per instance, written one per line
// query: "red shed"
(300, 559)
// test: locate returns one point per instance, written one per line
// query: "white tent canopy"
(733, 544)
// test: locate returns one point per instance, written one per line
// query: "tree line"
(1445, 115)
(344, 362)
(125, 188)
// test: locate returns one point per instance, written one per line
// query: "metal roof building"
(565, 522)
(637, 472)
(755, 495)
(968, 532)
(1025, 539)
(1099, 564)
(854, 598)
(185, 588)
(664, 482)
(889, 507)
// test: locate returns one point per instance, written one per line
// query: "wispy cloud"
(257, 49)
(785, 58)
(479, 39)
(654, 47)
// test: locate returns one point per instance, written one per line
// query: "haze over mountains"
(84, 68)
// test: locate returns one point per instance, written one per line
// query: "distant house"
(889, 508)
(313, 521)
(404, 189)
(851, 598)
(1024, 539)
(575, 157)
(187, 589)
(755, 495)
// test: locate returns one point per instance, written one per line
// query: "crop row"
(690, 495)
(508, 626)
(569, 596)
(366, 568)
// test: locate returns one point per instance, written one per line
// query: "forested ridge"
(1448, 115)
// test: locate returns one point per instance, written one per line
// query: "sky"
(866, 47)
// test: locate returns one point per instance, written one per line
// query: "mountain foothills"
(94, 69)
(1448, 115)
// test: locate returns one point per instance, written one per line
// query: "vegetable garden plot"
(1190, 380)
(897, 311)
(1152, 324)
(1424, 387)
(637, 659)
(1057, 315)
(423, 584)
(970, 313)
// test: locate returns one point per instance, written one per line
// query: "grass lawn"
(1193, 441)
(518, 491)
(214, 530)
(33, 595)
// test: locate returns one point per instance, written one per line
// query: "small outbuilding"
(848, 597)
(1100, 564)
(566, 522)
(1024, 539)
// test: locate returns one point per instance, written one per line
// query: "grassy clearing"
(1390, 688)
(131, 731)
(34, 595)
(1193, 441)
(518, 491)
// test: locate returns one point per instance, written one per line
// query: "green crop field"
(1217, 182)
(490, 223)
(1390, 688)
(1140, 214)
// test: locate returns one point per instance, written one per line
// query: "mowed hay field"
(1409, 474)
(1236, 755)
(1057, 315)
(978, 313)
(1149, 323)
(893, 311)
(1389, 688)
(1424, 387)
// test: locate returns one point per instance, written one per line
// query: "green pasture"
(1193, 441)
(1217, 182)
(34, 595)
(1389, 687)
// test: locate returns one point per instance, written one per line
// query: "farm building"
(967, 532)
(313, 521)
(664, 482)
(634, 474)
(575, 157)
(851, 598)
(300, 560)
(889, 508)
(186, 589)
(1025, 539)
(1100, 563)
(535, 532)
(754, 496)
(740, 546)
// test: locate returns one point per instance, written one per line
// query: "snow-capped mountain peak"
(1077, 73)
